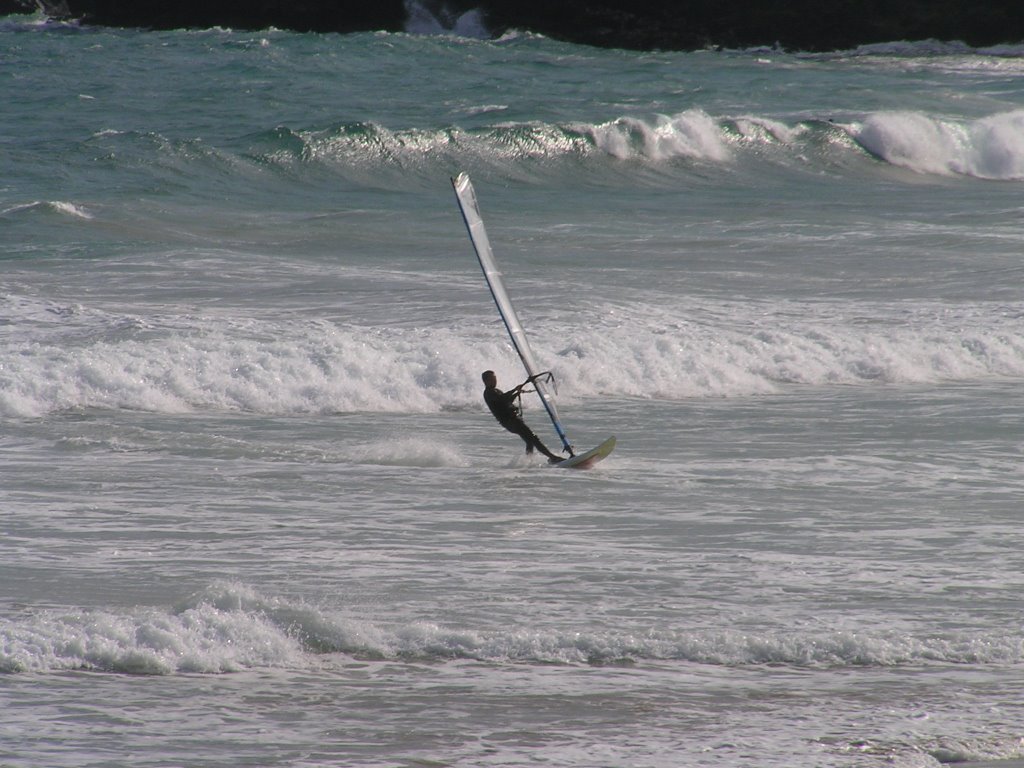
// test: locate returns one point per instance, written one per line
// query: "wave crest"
(59, 207)
(683, 144)
(84, 358)
(230, 627)
(989, 148)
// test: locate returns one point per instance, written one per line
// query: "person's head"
(490, 380)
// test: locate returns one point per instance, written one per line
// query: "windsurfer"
(503, 406)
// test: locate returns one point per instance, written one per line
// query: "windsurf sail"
(466, 196)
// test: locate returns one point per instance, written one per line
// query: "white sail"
(466, 196)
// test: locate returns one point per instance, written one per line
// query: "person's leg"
(528, 437)
(532, 441)
(519, 428)
(546, 452)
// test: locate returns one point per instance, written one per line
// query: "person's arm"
(528, 381)
(519, 389)
(512, 394)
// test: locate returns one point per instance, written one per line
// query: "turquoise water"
(254, 511)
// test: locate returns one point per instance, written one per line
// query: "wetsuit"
(502, 405)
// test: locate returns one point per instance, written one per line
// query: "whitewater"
(253, 510)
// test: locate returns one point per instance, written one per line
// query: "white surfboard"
(590, 458)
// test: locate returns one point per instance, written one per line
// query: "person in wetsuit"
(503, 406)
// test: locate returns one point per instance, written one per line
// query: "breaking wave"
(990, 148)
(623, 149)
(231, 627)
(58, 207)
(81, 358)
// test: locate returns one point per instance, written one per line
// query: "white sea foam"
(692, 134)
(766, 129)
(57, 206)
(647, 352)
(230, 627)
(148, 641)
(410, 452)
(71, 209)
(989, 148)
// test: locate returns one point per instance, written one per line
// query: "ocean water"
(254, 513)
